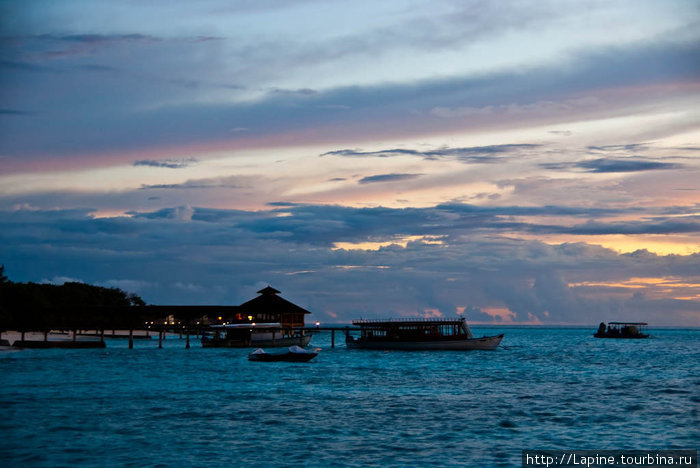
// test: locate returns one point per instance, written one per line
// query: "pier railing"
(431, 320)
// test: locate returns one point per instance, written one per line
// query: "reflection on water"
(549, 388)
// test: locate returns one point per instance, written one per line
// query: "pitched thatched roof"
(269, 301)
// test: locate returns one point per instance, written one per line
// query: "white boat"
(293, 354)
(247, 335)
(419, 334)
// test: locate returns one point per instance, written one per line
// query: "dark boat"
(419, 334)
(627, 330)
(251, 335)
(294, 354)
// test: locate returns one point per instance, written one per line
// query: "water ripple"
(202, 407)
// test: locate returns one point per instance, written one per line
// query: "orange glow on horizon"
(502, 314)
(402, 242)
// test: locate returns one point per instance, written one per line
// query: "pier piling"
(131, 338)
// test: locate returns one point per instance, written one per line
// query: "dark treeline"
(32, 306)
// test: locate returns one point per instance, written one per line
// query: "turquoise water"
(546, 389)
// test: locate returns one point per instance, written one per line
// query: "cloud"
(379, 154)
(624, 165)
(387, 178)
(474, 154)
(630, 147)
(167, 163)
(301, 92)
(223, 255)
(100, 38)
(59, 280)
(609, 165)
(663, 226)
(96, 68)
(133, 113)
(199, 184)
(420, 88)
(323, 225)
(284, 204)
(15, 112)
(183, 213)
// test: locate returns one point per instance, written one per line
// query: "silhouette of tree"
(32, 306)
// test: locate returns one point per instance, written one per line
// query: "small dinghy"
(294, 354)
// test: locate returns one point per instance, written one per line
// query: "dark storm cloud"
(387, 178)
(189, 256)
(325, 224)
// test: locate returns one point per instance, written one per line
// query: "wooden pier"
(91, 324)
(345, 329)
(96, 337)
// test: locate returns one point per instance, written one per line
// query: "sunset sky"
(513, 161)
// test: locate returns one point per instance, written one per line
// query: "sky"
(516, 162)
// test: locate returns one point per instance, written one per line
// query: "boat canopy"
(414, 327)
(625, 324)
(408, 322)
(248, 325)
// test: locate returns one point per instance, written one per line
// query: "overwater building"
(268, 307)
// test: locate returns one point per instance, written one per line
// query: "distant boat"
(419, 334)
(251, 335)
(294, 354)
(628, 330)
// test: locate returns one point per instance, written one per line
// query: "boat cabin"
(622, 330)
(241, 335)
(413, 330)
(419, 334)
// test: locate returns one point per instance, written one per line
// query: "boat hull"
(285, 357)
(621, 337)
(483, 343)
(258, 343)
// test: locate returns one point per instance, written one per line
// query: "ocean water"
(545, 389)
